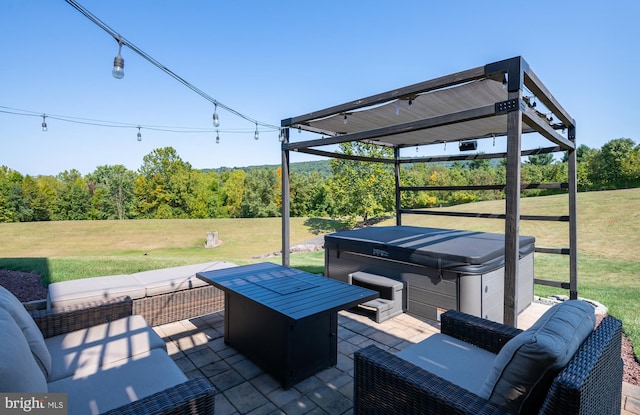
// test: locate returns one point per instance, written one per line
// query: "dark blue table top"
(291, 292)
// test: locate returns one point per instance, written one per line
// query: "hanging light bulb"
(281, 136)
(216, 120)
(217, 137)
(345, 121)
(139, 134)
(44, 123)
(118, 63)
(256, 135)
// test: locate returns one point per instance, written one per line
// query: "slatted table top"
(295, 294)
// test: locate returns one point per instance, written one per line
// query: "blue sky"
(277, 59)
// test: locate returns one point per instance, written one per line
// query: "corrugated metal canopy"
(428, 105)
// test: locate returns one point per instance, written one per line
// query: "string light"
(118, 62)
(256, 135)
(139, 134)
(116, 124)
(216, 119)
(122, 41)
(217, 137)
(281, 135)
(345, 121)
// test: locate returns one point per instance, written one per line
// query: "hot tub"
(442, 268)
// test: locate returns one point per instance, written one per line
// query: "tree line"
(165, 186)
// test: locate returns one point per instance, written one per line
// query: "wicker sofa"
(160, 296)
(590, 383)
(102, 356)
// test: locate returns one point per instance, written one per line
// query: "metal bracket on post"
(509, 105)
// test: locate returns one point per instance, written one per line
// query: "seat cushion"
(31, 332)
(81, 353)
(66, 293)
(19, 371)
(454, 360)
(119, 383)
(166, 280)
(526, 365)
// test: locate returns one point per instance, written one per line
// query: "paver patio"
(197, 346)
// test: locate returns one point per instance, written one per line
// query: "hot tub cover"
(445, 249)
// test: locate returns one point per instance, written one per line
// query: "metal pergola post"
(573, 217)
(515, 68)
(286, 226)
(396, 165)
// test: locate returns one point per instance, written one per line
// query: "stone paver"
(198, 347)
(630, 399)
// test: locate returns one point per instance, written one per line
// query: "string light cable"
(124, 42)
(116, 124)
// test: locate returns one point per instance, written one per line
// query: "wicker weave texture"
(80, 316)
(480, 332)
(179, 305)
(590, 384)
(193, 397)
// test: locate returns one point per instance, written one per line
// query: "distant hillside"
(303, 167)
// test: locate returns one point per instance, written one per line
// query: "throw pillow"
(526, 365)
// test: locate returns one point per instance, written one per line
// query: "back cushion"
(18, 369)
(32, 333)
(526, 365)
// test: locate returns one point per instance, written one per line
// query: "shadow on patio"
(198, 347)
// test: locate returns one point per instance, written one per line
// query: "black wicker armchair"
(591, 383)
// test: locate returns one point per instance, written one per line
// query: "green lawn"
(608, 234)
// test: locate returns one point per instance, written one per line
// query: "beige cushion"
(81, 353)
(458, 362)
(526, 365)
(118, 384)
(31, 332)
(166, 280)
(18, 369)
(65, 293)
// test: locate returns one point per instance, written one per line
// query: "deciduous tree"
(364, 189)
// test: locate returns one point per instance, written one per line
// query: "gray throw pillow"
(526, 365)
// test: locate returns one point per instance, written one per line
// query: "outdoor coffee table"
(284, 320)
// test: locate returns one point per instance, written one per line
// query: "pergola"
(480, 103)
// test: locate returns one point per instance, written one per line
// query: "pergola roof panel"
(429, 105)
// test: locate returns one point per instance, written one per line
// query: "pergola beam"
(439, 121)
(426, 86)
(530, 118)
(541, 92)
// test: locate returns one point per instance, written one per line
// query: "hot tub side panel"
(429, 291)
